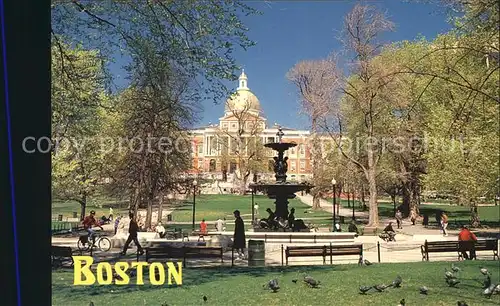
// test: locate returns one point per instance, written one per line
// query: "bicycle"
(100, 240)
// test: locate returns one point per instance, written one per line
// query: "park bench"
(168, 252)
(61, 255)
(323, 251)
(453, 246)
(291, 237)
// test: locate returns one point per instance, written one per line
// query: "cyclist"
(88, 222)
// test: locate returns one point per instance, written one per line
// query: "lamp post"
(253, 206)
(334, 182)
(353, 217)
(194, 199)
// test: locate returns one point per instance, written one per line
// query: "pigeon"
(311, 282)
(368, 263)
(360, 261)
(452, 282)
(448, 274)
(91, 304)
(484, 271)
(489, 291)
(205, 299)
(273, 285)
(497, 289)
(462, 303)
(487, 282)
(364, 289)
(380, 288)
(424, 290)
(402, 302)
(164, 304)
(294, 281)
(397, 282)
(455, 268)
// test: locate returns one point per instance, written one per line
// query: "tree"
(77, 93)
(362, 107)
(316, 85)
(243, 145)
(198, 37)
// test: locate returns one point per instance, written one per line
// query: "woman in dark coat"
(239, 242)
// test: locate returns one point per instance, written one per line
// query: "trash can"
(59, 217)
(169, 217)
(342, 219)
(256, 253)
(75, 214)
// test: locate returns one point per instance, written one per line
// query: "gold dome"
(243, 98)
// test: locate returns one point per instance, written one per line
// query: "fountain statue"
(281, 190)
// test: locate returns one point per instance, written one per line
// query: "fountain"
(281, 190)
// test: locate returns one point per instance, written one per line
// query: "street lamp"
(194, 199)
(334, 182)
(253, 206)
(353, 217)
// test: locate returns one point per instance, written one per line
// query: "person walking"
(413, 217)
(110, 213)
(219, 225)
(117, 222)
(399, 218)
(444, 223)
(466, 242)
(132, 236)
(239, 242)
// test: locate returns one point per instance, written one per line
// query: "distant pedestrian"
(219, 225)
(203, 230)
(239, 242)
(413, 217)
(117, 222)
(133, 229)
(399, 218)
(110, 213)
(256, 210)
(444, 223)
(425, 221)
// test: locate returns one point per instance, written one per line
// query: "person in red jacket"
(88, 222)
(466, 242)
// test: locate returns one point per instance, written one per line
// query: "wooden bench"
(453, 246)
(61, 255)
(346, 238)
(324, 251)
(168, 252)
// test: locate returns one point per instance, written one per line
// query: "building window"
(232, 166)
(292, 151)
(200, 163)
(302, 165)
(293, 165)
(200, 149)
(302, 178)
(270, 140)
(212, 165)
(233, 126)
(302, 150)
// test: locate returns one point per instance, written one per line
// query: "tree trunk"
(363, 202)
(372, 185)
(149, 211)
(393, 198)
(349, 199)
(160, 209)
(83, 205)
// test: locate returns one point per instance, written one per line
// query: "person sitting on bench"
(388, 233)
(466, 242)
(271, 219)
(160, 230)
(291, 218)
(352, 228)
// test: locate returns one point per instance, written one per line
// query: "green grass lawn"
(489, 215)
(212, 207)
(66, 208)
(244, 286)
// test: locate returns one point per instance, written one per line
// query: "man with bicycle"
(88, 222)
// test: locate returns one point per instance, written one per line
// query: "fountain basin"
(280, 146)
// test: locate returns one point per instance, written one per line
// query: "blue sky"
(290, 31)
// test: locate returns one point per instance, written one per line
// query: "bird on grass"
(381, 287)
(364, 289)
(402, 302)
(294, 281)
(455, 268)
(484, 271)
(452, 282)
(448, 274)
(487, 282)
(489, 291)
(205, 299)
(462, 303)
(360, 261)
(424, 290)
(397, 282)
(311, 282)
(91, 303)
(273, 285)
(164, 304)
(367, 262)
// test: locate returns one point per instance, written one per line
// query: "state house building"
(207, 151)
